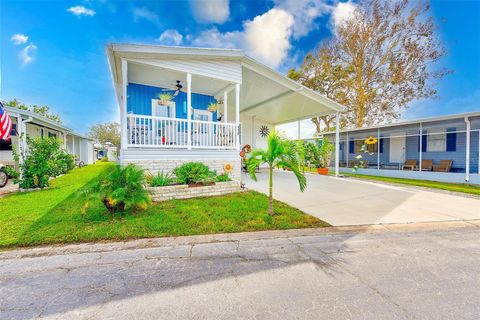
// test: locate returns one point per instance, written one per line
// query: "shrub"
(223, 178)
(122, 188)
(194, 172)
(162, 179)
(45, 159)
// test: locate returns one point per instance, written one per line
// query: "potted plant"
(164, 98)
(324, 155)
(212, 106)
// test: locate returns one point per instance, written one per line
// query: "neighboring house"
(160, 136)
(34, 126)
(452, 137)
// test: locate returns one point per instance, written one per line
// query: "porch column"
(123, 107)
(420, 147)
(337, 144)
(346, 148)
(64, 140)
(237, 113)
(298, 134)
(378, 149)
(467, 151)
(21, 136)
(225, 106)
(189, 111)
(73, 146)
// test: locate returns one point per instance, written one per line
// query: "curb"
(106, 246)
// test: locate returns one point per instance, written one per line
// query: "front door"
(397, 149)
(202, 130)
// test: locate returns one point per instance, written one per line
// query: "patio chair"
(427, 165)
(410, 164)
(443, 166)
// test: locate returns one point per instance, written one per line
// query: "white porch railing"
(161, 132)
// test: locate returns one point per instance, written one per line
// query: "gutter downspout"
(467, 151)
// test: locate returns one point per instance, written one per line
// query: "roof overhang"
(265, 93)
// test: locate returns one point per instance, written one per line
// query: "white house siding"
(251, 132)
(218, 69)
(156, 160)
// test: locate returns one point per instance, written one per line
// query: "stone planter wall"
(159, 194)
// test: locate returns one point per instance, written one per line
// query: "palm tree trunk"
(270, 193)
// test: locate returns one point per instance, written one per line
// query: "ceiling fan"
(179, 87)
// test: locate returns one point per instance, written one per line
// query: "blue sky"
(53, 52)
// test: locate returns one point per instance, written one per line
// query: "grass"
(455, 187)
(56, 215)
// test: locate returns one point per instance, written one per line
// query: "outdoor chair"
(443, 166)
(427, 165)
(410, 164)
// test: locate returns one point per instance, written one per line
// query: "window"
(51, 135)
(371, 148)
(436, 141)
(165, 111)
(5, 145)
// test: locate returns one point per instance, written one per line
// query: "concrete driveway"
(347, 201)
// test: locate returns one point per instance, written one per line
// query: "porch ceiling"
(167, 78)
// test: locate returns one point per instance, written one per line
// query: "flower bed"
(183, 191)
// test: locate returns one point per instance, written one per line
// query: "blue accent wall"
(139, 100)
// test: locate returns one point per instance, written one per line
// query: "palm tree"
(280, 153)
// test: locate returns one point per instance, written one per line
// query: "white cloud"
(144, 13)
(26, 54)
(81, 11)
(265, 38)
(19, 38)
(214, 38)
(170, 37)
(268, 36)
(210, 11)
(304, 13)
(341, 13)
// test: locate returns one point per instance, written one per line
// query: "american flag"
(5, 123)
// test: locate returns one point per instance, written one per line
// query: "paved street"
(347, 201)
(402, 272)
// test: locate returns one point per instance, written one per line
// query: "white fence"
(161, 132)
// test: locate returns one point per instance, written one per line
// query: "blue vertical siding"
(370, 158)
(139, 100)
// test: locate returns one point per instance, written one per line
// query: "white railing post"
(237, 113)
(189, 111)
(123, 107)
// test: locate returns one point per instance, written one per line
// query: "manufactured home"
(444, 148)
(180, 104)
(26, 123)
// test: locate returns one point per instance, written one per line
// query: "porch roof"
(265, 93)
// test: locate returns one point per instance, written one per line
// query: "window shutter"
(451, 140)
(381, 145)
(424, 143)
(351, 146)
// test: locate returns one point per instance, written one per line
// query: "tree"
(44, 111)
(385, 52)
(280, 153)
(318, 72)
(106, 134)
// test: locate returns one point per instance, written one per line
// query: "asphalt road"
(404, 274)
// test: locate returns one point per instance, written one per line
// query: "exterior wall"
(140, 100)
(184, 192)
(251, 132)
(166, 160)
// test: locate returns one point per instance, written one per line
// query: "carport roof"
(265, 93)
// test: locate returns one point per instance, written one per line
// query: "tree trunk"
(316, 121)
(270, 193)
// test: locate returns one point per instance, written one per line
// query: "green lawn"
(55, 215)
(456, 187)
